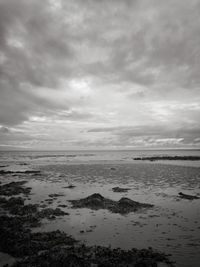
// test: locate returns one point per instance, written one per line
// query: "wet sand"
(171, 225)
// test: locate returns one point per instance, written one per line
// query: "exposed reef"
(186, 196)
(168, 158)
(96, 201)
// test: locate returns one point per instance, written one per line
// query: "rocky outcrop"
(168, 158)
(96, 201)
(186, 196)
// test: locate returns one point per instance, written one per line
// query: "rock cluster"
(96, 201)
(14, 188)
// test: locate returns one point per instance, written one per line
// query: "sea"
(92, 156)
(171, 226)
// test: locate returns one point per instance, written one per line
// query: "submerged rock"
(120, 189)
(96, 201)
(185, 196)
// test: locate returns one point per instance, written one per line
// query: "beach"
(104, 199)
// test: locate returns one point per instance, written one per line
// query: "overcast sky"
(99, 74)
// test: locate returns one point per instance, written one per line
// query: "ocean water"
(171, 226)
(85, 156)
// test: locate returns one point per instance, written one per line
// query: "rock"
(189, 197)
(96, 201)
(48, 213)
(18, 241)
(14, 188)
(19, 172)
(25, 210)
(30, 212)
(16, 201)
(56, 195)
(83, 256)
(13, 204)
(120, 189)
(168, 158)
(71, 186)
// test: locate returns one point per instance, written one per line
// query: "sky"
(99, 74)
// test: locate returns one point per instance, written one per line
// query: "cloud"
(105, 69)
(4, 130)
(151, 135)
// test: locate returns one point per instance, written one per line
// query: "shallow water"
(171, 226)
(65, 157)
